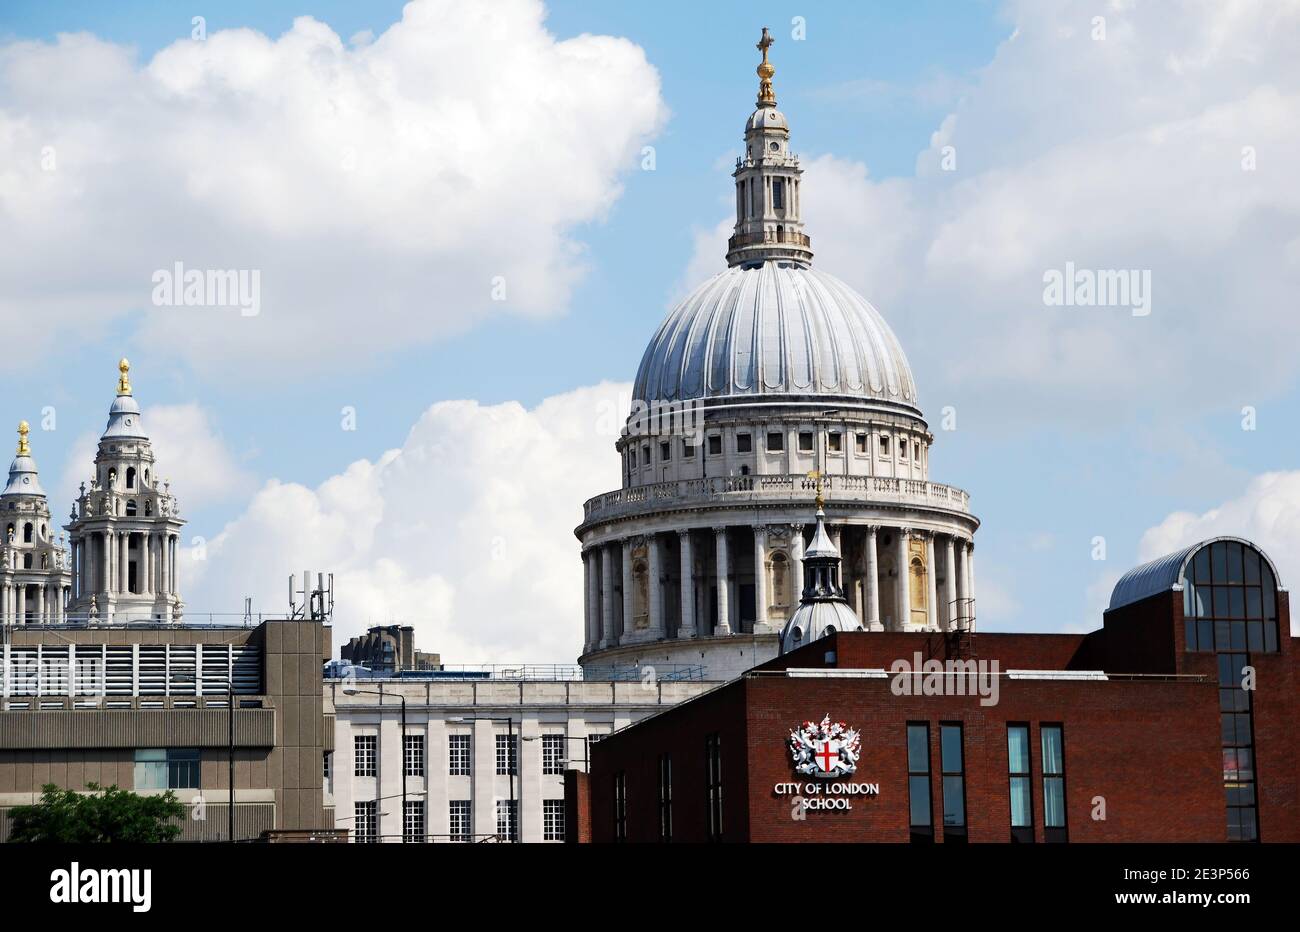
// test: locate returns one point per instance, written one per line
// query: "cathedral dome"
(775, 328)
(124, 416)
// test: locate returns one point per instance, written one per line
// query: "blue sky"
(1107, 451)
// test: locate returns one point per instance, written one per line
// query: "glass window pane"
(1248, 824)
(1230, 766)
(1219, 557)
(1052, 761)
(1203, 595)
(1234, 562)
(1018, 748)
(1189, 601)
(1255, 635)
(1254, 604)
(1205, 635)
(1021, 812)
(954, 805)
(1237, 603)
(1245, 764)
(919, 792)
(1270, 608)
(950, 747)
(1054, 802)
(918, 749)
(1221, 641)
(1270, 636)
(1201, 563)
(1189, 634)
(1238, 635)
(1252, 566)
(1221, 602)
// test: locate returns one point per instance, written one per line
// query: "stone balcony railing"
(736, 490)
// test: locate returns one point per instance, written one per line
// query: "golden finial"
(765, 71)
(816, 476)
(124, 381)
(23, 430)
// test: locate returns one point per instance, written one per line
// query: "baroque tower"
(125, 527)
(33, 567)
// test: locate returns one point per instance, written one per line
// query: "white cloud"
(188, 450)
(1125, 153)
(378, 187)
(465, 532)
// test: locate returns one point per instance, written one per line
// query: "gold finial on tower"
(23, 431)
(765, 71)
(124, 381)
(816, 476)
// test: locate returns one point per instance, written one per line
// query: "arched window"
(146, 478)
(148, 508)
(130, 508)
(130, 477)
(1230, 599)
(27, 533)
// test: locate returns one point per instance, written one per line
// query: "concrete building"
(388, 649)
(457, 772)
(767, 372)
(148, 708)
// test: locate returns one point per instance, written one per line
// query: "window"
(363, 755)
(508, 819)
(835, 441)
(552, 754)
(130, 477)
(167, 769)
(688, 449)
(713, 756)
(778, 194)
(775, 441)
(665, 451)
(631, 457)
(459, 820)
(326, 757)
(507, 755)
(27, 533)
(954, 783)
(918, 782)
(413, 820)
(645, 454)
(665, 798)
(1053, 783)
(861, 441)
(715, 444)
(552, 820)
(130, 508)
(902, 449)
(884, 445)
(744, 443)
(620, 806)
(414, 756)
(1022, 797)
(458, 755)
(805, 441)
(366, 822)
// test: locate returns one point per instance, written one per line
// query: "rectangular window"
(954, 782)
(835, 441)
(805, 441)
(884, 445)
(1053, 740)
(715, 444)
(552, 754)
(413, 820)
(631, 457)
(366, 819)
(413, 758)
(458, 756)
(665, 798)
(861, 441)
(918, 782)
(552, 820)
(507, 755)
(167, 769)
(688, 449)
(775, 442)
(363, 755)
(665, 451)
(620, 806)
(713, 758)
(744, 443)
(508, 819)
(645, 454)
(902, 449)
(460, 820)
(1022, 796)
(778, 194)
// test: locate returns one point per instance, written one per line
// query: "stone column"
(147, 559)
(627, 591)
(950, 584)
(872, 582)
(123, 552)
(760, 578)
(687, 629)
(724, 580)
(607, 594)
(22, 605)
(588, 616)
(931, 585)
(796, 554)
(107, 564)
(970, 575)
(74, 565)
(654, 587)
(903, 601)
(40, 605)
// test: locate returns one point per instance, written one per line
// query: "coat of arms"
(825, 749)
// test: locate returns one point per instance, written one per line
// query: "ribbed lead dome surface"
(775, 329)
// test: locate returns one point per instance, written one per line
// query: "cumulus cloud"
(1166, 147)
(188, 449)
(465, 531)
(387, 191)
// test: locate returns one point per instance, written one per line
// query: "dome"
(775, 328)
(23, 478)
(124, 420)
(814, 620)
(766, 118)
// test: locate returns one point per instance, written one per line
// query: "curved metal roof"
(775, 329)
(1169, 572)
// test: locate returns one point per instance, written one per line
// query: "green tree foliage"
(103, 814)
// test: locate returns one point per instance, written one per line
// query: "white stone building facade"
(34, 569)
(766, 374)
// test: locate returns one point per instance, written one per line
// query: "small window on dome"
(645, 454)
(884, 445)
(835, 441)
(688, 449)
(862, 443)
(744, 443)
(631, 457)
(805, 441)
(797, 633)
(775, 442)
(715, 444)
(902, 449)
(665, 451)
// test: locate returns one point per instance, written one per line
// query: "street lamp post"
(350, 688)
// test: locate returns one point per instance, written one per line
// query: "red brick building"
(1138, 731)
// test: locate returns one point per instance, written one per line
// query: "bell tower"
(125, 527)
(34, 576)
(768, 209)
